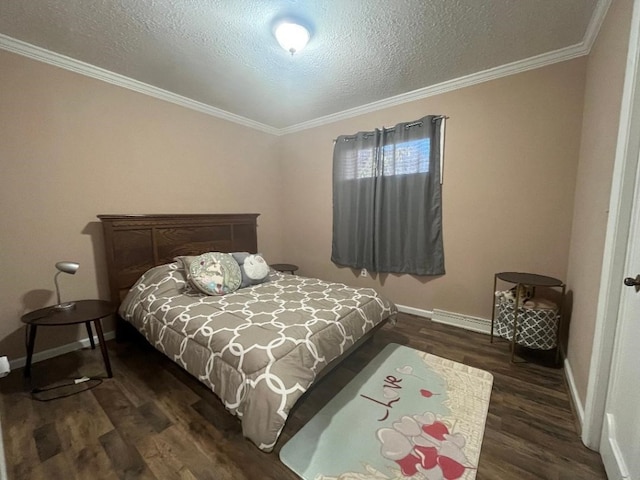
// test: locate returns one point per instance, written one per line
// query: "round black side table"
(84, 311)
(285, 267)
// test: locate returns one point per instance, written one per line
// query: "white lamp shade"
(291, 36)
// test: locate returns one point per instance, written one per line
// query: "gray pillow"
(253, 267)
(184, 261)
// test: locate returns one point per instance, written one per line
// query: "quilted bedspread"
(258, 348)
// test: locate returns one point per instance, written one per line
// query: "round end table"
(285, 267)
(521, 281)
(83, 311)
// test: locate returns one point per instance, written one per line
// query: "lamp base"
(65, 306)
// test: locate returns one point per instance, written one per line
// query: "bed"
(258, 348)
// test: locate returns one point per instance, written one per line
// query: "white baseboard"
(61, 350)
(613, 459)
(475, 324)
(418, 312)
(574, 392)
(468, 322)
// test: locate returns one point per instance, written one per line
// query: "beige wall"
(72, 147)
(510, 169)
(603, 94)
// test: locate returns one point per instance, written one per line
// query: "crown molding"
(520, 66)
(596, 22)
(545, 59)
(62, 61)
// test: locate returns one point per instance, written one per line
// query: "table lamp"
(66, 267)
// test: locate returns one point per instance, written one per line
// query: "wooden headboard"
(136, 243)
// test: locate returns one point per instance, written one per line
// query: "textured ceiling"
(223, 53)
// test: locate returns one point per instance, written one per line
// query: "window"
(408, 157)
(387, 199)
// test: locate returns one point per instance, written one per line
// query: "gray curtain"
(387, 207)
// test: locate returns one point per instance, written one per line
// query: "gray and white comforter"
(258, 348)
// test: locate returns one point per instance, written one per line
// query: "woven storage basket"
(537, 327)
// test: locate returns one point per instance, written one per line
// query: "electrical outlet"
(364, 273)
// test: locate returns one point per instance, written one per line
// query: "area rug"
(406, 415)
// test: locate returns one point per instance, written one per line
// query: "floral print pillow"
(215, 273)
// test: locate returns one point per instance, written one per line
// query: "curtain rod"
(412, 124)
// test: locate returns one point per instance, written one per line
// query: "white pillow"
(254, 268)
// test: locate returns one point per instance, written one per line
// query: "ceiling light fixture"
(292, 36)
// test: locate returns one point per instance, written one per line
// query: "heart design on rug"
(407, 426)
(452, 448)
(450, 468)
(389, 392)
(428, 456)
(437, 430)
(407, 370)
(408, 465)
(395, 445)
(426, 393)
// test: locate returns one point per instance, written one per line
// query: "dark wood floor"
(154, 421)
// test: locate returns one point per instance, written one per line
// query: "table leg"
(103, 346)
(90, 333)
(30, 345)
(493, 310)
(515, 322)
(558, 329)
